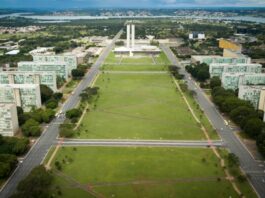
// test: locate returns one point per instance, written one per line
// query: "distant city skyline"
(128, 3)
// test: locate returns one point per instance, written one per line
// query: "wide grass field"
(142, 172)
(139, 106)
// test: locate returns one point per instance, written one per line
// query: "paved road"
(40, 149)
(255, 169)
(153, 143)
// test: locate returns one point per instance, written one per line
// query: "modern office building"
(234, 80)
(18, 77)
(219, 69)
(23, 95)
(60, 68)
(220, 59)
(69, 60)
(251, 94)
(8, 119)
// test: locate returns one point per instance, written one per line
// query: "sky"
(126, 3)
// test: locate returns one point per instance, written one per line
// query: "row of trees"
(199, 71)
(30, 121)
(49, 98)
(241, 112)
(37, 184)
(174, 70)
(7, 165)
(10, 148)
(73, 115)
(80, 71)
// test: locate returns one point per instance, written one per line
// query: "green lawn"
(162, 59)
(110, 67)
(137, 60)
(133, 106)
(160, 172)
(112, 58)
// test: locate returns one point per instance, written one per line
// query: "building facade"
(26, 96)
(8, 119)
(60, 68)
(219, 69)
(234, 80)
(17, 77)
(220, 59)
(251, 94)
(69, 60)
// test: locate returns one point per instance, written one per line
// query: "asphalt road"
(139, 143)
(254, 169)
(40, 149)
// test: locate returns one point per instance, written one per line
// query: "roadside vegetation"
(10, 149)
(242, 113)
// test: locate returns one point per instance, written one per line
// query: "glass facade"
(59, 68)
(44, 78)
(70, 60)
(26, 96)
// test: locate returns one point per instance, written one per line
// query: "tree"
(88, 93)
(78, 73)
(203, 75)
(242, 113)
(73, 114)
(254, 127)
(233, 160)
(46, 93)
(52, 104)
(215, 82)
(31, 128)
(66, 130)
(57, 96)
(233, 102)
(261, 143)
(199, 71)
(7, 164)
(36, 184)
(48, 115)
(13, 145)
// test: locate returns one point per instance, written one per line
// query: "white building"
(18, 77)
(220, 59)
(219, 69)
(251, 94)
(196, 36)
(8, 119)
(26, 96)
(69, 60)
(60, 68)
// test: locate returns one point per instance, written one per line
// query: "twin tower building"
(130, 36)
